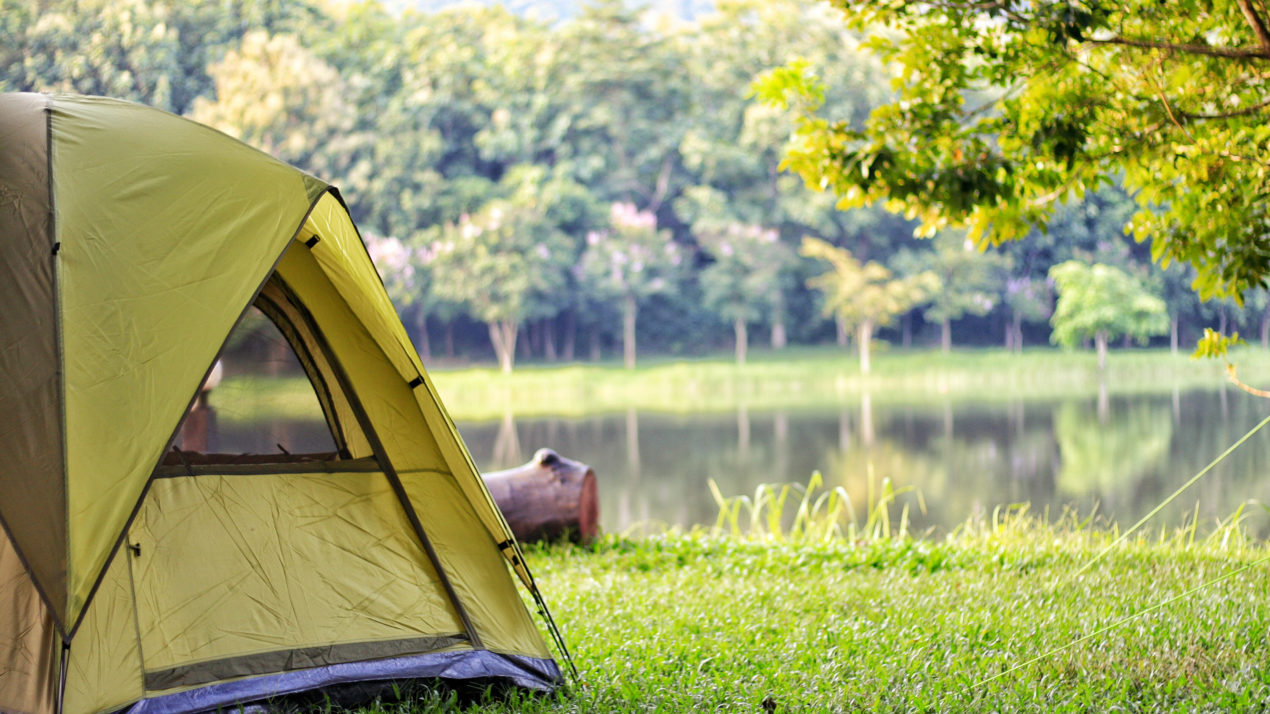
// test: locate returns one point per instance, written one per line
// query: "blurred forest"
(579, 178)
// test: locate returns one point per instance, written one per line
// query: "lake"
(1116, 457)
(1121, 456)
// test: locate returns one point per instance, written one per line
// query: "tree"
(745, 278)
(630, 261)
(624, 97)
(1101, 302)
(864, 296)
(152, 51)
(1029, 300)
(1004, 108)
(127, 49)
(278, 96)
(970, 280)
(503, 264)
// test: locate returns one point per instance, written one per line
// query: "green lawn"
(684, 623)
(997, 616)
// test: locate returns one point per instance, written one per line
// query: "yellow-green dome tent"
(131, 243)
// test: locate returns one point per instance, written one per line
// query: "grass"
(1000, 615)
(793, 378)
(791, 604)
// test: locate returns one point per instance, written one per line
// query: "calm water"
(963, 458)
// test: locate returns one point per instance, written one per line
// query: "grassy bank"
(682, 623)
(789, 379)
(815, 377)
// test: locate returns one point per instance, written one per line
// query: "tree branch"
(1258, 52)
(1258, 25)
(663, 183)
(1234, 378)
(1225, 115)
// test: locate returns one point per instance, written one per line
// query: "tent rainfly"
(138, 578)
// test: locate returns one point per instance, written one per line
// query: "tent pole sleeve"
(381, 455)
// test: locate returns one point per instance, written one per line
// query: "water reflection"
(1123, 454)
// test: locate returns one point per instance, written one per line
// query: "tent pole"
(61, 676)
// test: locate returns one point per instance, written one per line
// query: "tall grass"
(793, 513)
(819, 515)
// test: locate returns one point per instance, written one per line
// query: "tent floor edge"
(470, 666)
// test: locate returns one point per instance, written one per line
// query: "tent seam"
(59, 338)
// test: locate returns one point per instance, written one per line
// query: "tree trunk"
(1018, 332)
(906, 330)
(742, 340)
(1265, 329)
(570, 335)
(779, 337)
(1100, 343)
(841, 329)
(549, 340)
(502, 334)
(945, 335)
(1173, 335)
(1009, 336)
(864, 335)
(548, 498)
(629, 310)
(595, 345)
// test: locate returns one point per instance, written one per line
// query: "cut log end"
(589, 508)
(548, 498)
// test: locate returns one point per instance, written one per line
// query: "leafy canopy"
(631, 257)
(502, 263)
(1098, 298)
(970, 280)
(1003, 108)
(748, 269)
(857, 292)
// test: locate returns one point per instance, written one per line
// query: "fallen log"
(548, 498)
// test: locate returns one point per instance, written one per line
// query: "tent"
(134, 577)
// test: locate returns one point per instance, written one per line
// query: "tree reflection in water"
(964, 458)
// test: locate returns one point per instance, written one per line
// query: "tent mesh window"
(272, 397)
